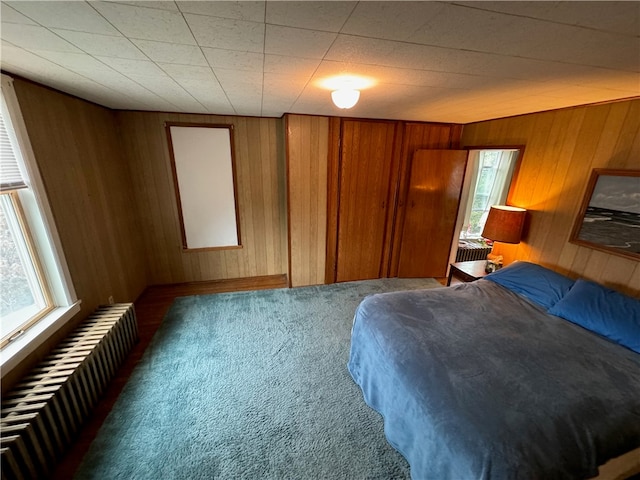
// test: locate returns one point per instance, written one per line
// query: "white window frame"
(39, 218)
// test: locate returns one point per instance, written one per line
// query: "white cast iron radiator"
(41, 415)
(469, 250)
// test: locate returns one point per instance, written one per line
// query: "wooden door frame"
(333, 199)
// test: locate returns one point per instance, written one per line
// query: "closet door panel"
(431, 207)
(366, 194)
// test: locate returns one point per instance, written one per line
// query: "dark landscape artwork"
(610, 216)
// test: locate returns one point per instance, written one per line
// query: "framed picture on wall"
(609, 218)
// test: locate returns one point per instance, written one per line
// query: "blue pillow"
(603, 311)
(535, 282)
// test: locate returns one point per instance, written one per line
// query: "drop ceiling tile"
(296, 42)
(526, 69)
(370, 51)
(248, 109)
(162, 5)
(249, 11)
(600, 78)
(36, 38)
(402, 76)
(316, 96)
(385, 20)
(246, 104)
(460, 27)
(309, 107)
(55, 76)
(218, 107)
(244, 93)
(294, 66)
(146, 23)
(282, 86)
(76, 62)
(202, 85)
(233, 59)
(118, 82)
(20, 61)
(67, 15)
(165, 87)
(324, 16)
(9, 15)
(280, 101)
(265, 112)
(103, 45)
(133, 67)
(597, 49)
(247, 82)
(465, 28)
(227, 33)
(387, 96)
(580, 94)
(274, 108)
(619, 17)
(171, 52)
(101, 95)
(193, 72)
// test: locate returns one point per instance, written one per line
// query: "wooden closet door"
(366, 194)
(431, 208)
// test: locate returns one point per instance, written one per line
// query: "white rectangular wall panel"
(204, 177)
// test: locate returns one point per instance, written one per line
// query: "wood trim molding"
(333, 198)
(395, 200)
(217, 286)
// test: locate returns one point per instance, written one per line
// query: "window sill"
(17, 350)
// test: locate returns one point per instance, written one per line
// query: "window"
(491, 173)
(36, 295)
(25, 297)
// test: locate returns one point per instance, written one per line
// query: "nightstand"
(467, 271)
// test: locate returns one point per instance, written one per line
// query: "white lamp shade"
(346, 98)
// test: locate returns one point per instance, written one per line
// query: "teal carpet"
(250, 385)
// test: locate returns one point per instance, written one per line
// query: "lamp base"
(494, 262)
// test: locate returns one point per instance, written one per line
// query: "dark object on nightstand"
(467, 271)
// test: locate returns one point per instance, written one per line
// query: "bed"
(525, 374)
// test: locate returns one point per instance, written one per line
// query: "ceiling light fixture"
(345, 89)
(345, 98)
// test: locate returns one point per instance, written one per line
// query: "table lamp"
(504, 224)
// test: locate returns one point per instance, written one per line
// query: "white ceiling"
(432, 61)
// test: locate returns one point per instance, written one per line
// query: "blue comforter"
(476, 382)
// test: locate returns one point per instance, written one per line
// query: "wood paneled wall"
(561, 149)
(307, 140)
(259, 160)
(90, 193)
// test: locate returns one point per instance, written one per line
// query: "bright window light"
(492, 172)
(23, 296)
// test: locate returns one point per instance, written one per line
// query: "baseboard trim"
(218, 286)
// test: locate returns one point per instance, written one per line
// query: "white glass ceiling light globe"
(346, 98)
